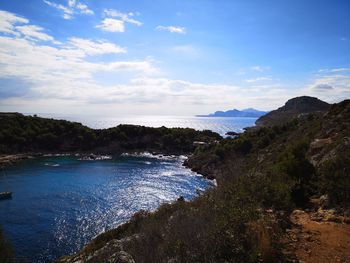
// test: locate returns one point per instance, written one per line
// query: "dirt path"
(319, 242)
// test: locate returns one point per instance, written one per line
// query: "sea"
(221, 125)
(60, 203)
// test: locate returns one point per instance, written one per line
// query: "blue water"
(60, 203)
(220, 125)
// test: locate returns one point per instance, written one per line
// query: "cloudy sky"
(179, 57)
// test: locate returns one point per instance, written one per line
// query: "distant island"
(250, 112)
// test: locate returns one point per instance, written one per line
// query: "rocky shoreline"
(11, 159)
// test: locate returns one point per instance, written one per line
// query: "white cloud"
(28, 60)
(34, 32)
(84, 9)
(9, 20)
(71, 3)
(340, 69)
(60, 72)
(330, 85)
(13, 24)
(260, 68)
(96, 47)
(259, 79)
(125, 17)
(73, 7)
(67, 11)
(63, 77)
(172, 29)
(112, 25)
(322, 87)
(334, 70)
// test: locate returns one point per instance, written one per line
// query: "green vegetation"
(6, 252)
(335, 179)
(300, 172)
(19, 133)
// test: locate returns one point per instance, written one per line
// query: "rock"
(299, 217)
(324, 201)
(346, 141)
(320, 143)
(121, 257)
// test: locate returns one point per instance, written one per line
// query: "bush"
(301, 172)
(6, 251)
(243, 145)
(335, 179)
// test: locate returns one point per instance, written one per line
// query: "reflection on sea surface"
(61, 203)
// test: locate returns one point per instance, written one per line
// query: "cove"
(60, 203)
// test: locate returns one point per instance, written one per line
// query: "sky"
(162, 57)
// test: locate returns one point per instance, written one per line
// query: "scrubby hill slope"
(293, 108)
(262, 175)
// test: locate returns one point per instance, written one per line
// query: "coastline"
(22, 157)
(12, 159)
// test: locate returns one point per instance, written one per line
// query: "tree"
(6, 251)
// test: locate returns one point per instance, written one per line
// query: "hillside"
(31, 134)
(293, 108)
(263, 175)
(250, 112)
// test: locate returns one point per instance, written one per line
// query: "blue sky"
(170, 57)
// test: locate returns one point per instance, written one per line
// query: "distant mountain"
(293, 108)
(250, 112)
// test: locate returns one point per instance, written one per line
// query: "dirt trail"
(319, 242)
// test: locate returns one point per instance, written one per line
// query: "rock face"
(332, 140)
(293, 108)
(111, 252)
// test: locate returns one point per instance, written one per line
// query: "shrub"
(293, 163)
(243, 145)
(335, 179)
(6, 251)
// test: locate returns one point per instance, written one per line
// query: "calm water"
(61, 203)
(220, 125)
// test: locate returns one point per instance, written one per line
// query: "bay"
(60, 203)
